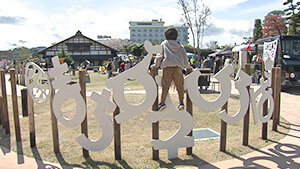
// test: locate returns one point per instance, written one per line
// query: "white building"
(154, 31)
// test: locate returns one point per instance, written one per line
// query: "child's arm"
(158, 60)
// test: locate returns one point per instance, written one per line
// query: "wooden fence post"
(84, 125)
(264, 133)
(24, 102)
(17, 74)
(1, 111)
(23, 75)
(223, 130)
(276, 93)
(31, 120)
(55, 135)
(15, 104)
(117, 135)
(5, 120)
(189, 108)
(246, 117)
(155, 126)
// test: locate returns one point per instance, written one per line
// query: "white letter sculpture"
(191, 83)
(138, 72)
(37, 78)
(241, 84)
(66, 91)
(105, 121)
(180, 138)
(265, 94)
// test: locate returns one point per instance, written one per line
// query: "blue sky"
(34, 23)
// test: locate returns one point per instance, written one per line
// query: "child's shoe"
(161, 106)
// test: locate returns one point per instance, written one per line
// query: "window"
(79, 47)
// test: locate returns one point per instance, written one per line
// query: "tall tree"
(257, 32)
(274, 25)
(293, 17)
(196, 16)
(22, 53)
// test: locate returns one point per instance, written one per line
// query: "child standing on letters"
(172, 60)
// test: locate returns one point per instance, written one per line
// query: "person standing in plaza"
(172, 60)
(109, 68)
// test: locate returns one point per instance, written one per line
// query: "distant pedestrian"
(109, 68)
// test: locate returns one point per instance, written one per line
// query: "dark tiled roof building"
(81, 48)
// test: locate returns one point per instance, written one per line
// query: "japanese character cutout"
(65, 91)
(38, 83)
(138, 72)
(264, 92)
(180, 138)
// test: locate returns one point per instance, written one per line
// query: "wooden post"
(276, 91)
(17, 74)
(155, 126)
(5, 120)
(264, 133)
(189, 108)
(84, 125)
(23, 75)
(24, 102)
(15, 104)
(246, 117)
(1, 111)
(31, 120)
(55, 135)
(117, 135)
(223, 130)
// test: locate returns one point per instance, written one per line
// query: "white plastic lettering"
(243, 81)
(138, 72)
(223, 76)
(36, 78)
(66, 91)
(105, 121)
(180, 138)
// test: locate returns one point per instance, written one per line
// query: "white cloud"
(39, 27)
(221, 5)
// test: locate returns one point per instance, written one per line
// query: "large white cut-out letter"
(180, 138)
(66, 91)
(191, 84)
(105, 121)
(140, 73)
(241, 84)
(265, 94)
(35, 77)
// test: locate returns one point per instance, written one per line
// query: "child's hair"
(171, 33)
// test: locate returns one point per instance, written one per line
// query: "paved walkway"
(282, 154)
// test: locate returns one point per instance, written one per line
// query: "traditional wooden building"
(81, 48)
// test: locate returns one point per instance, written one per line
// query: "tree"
(22, 53)
(195, 16)
(274, 25)
(63, 54)
(257, 32)
(293, 18)
(188, 48)
(212, 45)
(136, 49)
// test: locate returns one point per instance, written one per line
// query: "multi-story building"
(154, 31)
